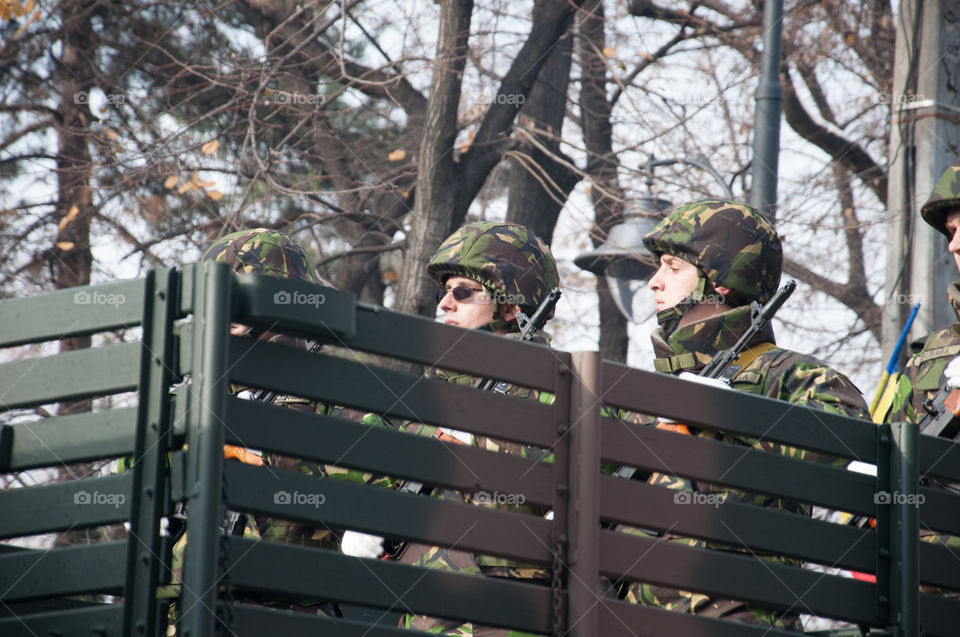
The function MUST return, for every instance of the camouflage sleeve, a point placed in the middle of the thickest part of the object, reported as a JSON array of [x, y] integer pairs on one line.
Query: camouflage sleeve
[[801, 379], [901, 409], [924, 373]]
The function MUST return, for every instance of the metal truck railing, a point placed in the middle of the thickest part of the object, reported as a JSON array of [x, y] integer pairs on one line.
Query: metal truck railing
[[182, 369]]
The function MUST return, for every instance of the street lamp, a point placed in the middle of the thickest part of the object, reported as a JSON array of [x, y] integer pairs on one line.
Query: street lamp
[[621, 258]]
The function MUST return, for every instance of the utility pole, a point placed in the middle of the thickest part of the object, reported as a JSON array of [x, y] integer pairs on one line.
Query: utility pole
[[924, 140]]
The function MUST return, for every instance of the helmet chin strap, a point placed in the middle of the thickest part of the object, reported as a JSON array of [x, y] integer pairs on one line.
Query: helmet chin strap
[[669, 319]]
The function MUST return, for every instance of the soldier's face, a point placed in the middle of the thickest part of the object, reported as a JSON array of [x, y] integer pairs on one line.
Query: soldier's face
[[476, 310], [674, 281], [953, 225]]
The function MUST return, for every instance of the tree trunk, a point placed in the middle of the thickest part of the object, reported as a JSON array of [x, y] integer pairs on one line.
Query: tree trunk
[[551, 21], [71, 255], [539, 184], [432, 212], [607, 193]]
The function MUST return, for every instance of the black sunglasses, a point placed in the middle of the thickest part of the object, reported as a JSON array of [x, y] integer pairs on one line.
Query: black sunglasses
[[460, 293]]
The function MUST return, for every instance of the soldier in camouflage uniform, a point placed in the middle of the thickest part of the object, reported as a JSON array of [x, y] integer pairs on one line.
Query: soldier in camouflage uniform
[[934, 360], [716, 258], [487, 272], [272, 253]]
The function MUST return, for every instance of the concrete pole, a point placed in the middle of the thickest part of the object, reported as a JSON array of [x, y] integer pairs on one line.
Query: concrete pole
[[925, 138]]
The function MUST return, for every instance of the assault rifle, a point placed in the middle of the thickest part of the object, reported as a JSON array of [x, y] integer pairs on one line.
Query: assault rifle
[[942, 413], [759, 316], [529, 326]]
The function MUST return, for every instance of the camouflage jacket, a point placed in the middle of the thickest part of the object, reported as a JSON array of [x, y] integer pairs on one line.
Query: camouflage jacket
[[453, 560], [776, 373], [921, 379], [489, 564], [923, 375]]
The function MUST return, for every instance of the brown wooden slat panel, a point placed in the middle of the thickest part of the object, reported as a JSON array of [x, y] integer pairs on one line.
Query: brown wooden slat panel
[[725, 410], [342, 382], [292, 571], [382, 451], [480, 353], [736, 576], [622, 619], [733, 465], [335, 503], [650, 507]]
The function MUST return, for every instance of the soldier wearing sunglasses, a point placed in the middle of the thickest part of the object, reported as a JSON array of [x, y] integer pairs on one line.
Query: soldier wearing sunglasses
[[487, 272]]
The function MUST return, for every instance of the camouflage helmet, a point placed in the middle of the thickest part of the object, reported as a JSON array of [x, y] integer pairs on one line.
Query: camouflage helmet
[[944, 199], [262, 251], [506, 258], [730, 243]]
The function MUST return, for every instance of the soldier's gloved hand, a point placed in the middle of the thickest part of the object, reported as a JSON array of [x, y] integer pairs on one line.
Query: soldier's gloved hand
[[694, 378], [669, 424], [952, 373], [358, 544], [703, 380]]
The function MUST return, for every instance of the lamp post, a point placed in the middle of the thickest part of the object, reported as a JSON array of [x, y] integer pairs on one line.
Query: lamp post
[[622, 258]]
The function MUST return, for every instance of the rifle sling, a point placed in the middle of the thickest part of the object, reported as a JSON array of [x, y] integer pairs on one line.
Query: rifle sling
[[747, 357], [689, 360]]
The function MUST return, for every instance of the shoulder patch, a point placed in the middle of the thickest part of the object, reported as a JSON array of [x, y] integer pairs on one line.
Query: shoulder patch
[[749, 377], [939, 352]]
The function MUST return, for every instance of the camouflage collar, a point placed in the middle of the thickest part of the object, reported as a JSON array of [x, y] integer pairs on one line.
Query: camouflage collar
[[692, 346], [953, 294], [669, 318]]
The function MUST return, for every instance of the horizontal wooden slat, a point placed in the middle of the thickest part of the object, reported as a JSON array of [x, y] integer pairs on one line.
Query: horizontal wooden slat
[[480, 353], [74, 504], [939, 615], [733, 524], [249, 621], [939, 511], [736, 576], [91, 372], [380, 584], [733, 411], [938, 458], [295, 305], [104, 621], [73, 438], [75, 311], [335, 503], [385, 452], [73, 570], [737, 466], [938, 565], [622, 619], [342, 382]]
